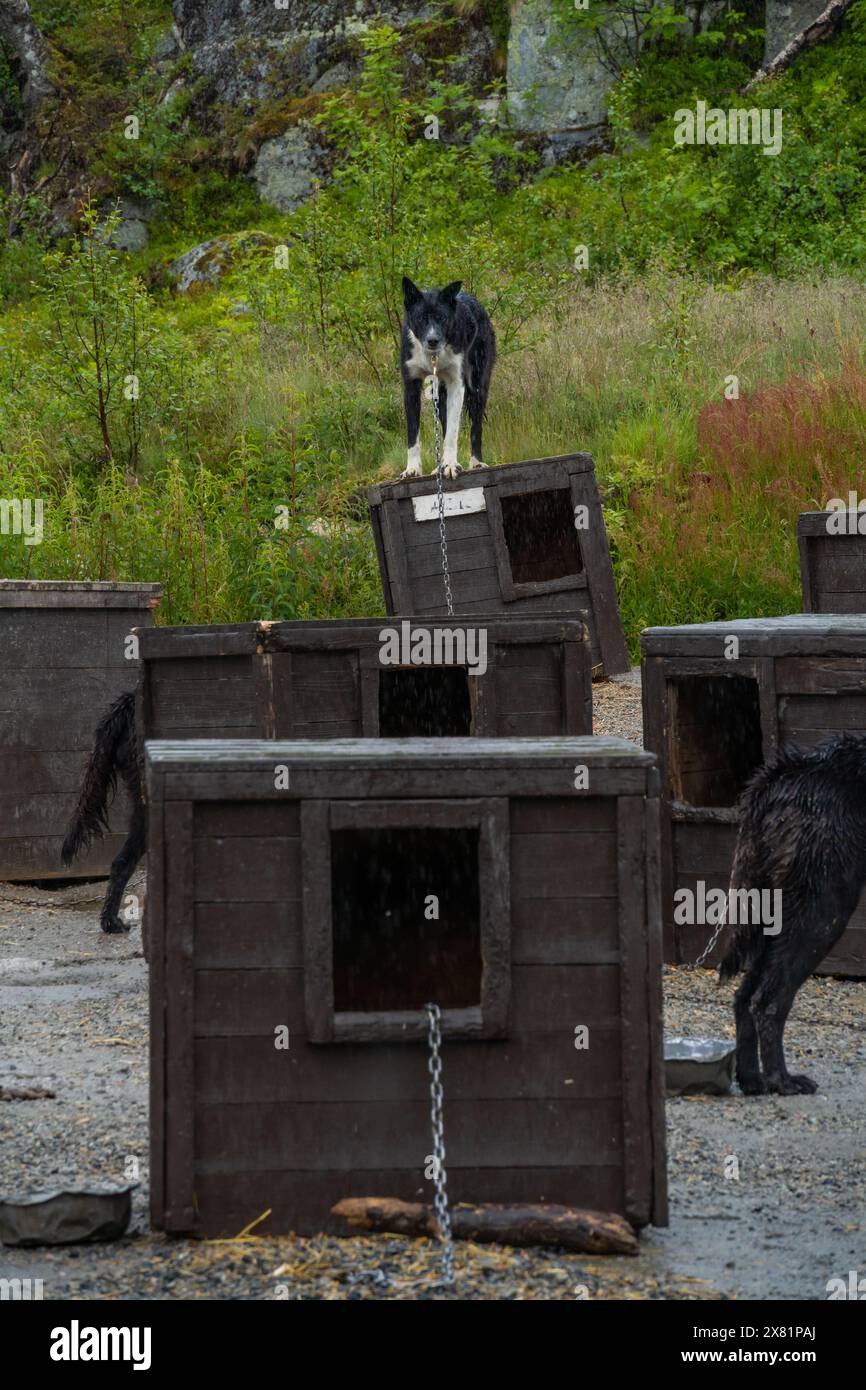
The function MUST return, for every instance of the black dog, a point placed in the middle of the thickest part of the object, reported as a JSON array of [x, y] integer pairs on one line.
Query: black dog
[[115, 754], [803, 831], [455, 329]]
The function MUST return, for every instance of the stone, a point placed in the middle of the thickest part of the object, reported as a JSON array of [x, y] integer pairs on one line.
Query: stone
[[555, 81], [286, 168], [332, 79], [784, 21], [206, 264], [131, 232]]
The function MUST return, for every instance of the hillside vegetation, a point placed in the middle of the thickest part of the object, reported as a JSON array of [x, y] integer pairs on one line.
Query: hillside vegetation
[[217, 442]]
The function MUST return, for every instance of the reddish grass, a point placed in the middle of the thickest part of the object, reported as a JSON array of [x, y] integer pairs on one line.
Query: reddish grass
[[803, 440]]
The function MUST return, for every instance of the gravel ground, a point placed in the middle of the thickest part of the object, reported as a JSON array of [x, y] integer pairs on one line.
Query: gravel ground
[[767, 1194], [616, 707]]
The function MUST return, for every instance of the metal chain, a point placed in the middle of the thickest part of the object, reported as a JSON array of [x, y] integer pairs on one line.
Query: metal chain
[[437, 444], [440, 1177], [723, 922]]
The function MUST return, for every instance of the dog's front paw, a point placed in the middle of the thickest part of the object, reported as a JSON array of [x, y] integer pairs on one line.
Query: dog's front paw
[[114, 926], [411, 472], [450, 470], [791, 1086], [476, 463]]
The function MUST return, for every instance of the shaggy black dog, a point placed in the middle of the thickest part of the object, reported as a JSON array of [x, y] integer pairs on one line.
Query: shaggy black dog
[[115, 754], [802, 830], [453, 328]]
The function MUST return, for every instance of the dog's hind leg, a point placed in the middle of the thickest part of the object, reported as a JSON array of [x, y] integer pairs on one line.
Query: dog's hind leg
[[412, 403], [748, 1069], [771, 1005], [122, 869]]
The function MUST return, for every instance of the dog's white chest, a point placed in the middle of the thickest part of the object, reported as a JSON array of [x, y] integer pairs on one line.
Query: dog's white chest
[[449, 364]]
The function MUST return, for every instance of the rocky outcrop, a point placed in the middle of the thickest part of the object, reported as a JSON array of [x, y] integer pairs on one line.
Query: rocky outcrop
[[23, 43], [556, 83], [785, 20], [206, 264], [287, 167], [258, 51]]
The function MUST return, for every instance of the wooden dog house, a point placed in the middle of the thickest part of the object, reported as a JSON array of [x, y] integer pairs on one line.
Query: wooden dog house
[[713, 719], [833, 561], [526, 538], [292, 886], [64, 657], [367, 677]]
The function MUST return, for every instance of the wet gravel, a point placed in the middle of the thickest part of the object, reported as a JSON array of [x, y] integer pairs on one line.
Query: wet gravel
[[767, 1193]]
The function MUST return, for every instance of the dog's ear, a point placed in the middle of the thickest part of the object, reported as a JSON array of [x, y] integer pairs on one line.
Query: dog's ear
[[411, 293], [451, 291]]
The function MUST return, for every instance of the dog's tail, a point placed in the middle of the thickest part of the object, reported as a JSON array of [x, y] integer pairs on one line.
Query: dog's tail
[[749, 871], [100, 780]]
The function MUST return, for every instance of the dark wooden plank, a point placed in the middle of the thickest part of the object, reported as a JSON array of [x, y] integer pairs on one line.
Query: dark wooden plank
[[815, 675], [321, 1136], [318, 971], [655, 1010], [545, 999], [563, 815], [461, 530], [243, 818], [177, 644], [633, 977], [822, 715], [249, 1070], [354, 781], [252, 869], [553, 866], [179, 1017], [562, 931], [477, 586], [154, 927], [31, 857], [240, 937], [607, 622], [703, 849]]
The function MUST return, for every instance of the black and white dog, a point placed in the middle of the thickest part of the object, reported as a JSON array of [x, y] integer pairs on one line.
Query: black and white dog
[[454, 328], [803, 832]]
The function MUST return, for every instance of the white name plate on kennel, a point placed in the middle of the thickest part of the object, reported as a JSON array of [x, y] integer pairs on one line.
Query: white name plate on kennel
[[427, 508]]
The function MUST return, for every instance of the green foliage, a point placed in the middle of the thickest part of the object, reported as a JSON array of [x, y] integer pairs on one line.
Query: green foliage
[[419, 189], [102, 350]]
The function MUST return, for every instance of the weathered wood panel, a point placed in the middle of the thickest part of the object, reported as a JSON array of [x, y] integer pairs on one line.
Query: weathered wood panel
[[297, 1127], [486, 571], [327, 680], [65, 656]]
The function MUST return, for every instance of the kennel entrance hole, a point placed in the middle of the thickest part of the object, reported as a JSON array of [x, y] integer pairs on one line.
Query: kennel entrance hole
[[389, 953], [425, 702], [540, 536], [714, 738]]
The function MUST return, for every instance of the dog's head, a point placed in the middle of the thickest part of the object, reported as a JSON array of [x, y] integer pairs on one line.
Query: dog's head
[[429, 312]]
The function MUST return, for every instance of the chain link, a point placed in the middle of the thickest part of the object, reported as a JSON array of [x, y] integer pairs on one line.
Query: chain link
[[437, 444], [723, 922], [440, 1177]]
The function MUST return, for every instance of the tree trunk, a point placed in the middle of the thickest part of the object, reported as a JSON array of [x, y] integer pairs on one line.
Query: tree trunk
[[824, 27], [571, 1228]]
